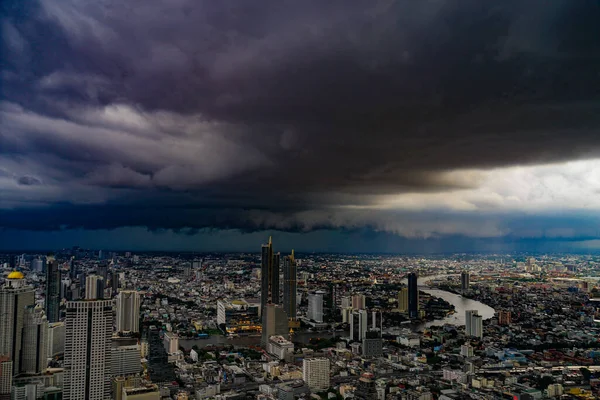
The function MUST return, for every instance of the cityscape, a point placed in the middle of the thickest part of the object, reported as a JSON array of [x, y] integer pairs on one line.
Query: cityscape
[[299, 200], [122, 325]]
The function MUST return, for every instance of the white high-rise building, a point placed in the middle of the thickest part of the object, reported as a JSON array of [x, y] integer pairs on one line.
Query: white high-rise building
[[128, 311], [466, 350], [125, 360], [94, 287], [15, 296], [55, 339], [34, 358], [6, 375], [473, 324], [315, 372], [171, 342], [315, 306], [88, 350]]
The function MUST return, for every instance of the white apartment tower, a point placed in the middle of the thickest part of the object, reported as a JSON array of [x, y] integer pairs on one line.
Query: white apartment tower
[[315, 372], [88, 350], [473, 324], [315, 306], [128, 311]]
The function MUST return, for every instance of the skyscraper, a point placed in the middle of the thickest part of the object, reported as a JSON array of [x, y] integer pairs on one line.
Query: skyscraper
[[88, 350], [115, 281], [269, 275], [473, 324], [52, 290], [290, 286], [315, 306], [359, 323], [128, 311], [465, 279], [274, 322], [315, 372], [15, 296], [403, 300], [34, 351], [94, 287], [413, 296], [72, 269]]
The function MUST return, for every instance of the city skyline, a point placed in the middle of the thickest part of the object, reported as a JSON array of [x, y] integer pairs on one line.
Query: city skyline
[[426, 125]]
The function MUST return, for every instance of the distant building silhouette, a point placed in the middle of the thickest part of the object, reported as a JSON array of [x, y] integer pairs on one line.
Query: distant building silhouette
[[413, 295]]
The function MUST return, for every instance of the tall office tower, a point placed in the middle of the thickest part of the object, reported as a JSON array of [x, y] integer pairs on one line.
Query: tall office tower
[[315, 306], [6, 375], [128, 311], [269, 275], [473, 324], [465, 280], [315, 372], [115, 281], [359, 302], [359, 323], [413, 296], [88, 350], [468, 321], [94, 287], [274, 323], [403, 300], [52, 290], [290, 286], [34, 351], [15, 296], [72, 269], [477, 324]]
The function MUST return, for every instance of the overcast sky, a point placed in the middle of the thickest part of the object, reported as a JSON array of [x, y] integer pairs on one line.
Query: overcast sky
[[334, 125]]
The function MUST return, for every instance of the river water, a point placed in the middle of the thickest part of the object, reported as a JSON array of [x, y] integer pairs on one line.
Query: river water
[[460, 304]]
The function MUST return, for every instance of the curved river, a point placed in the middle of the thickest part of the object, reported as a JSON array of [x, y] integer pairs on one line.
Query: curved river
[[460, 304]]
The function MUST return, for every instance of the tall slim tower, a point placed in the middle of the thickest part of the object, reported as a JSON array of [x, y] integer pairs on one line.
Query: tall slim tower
[[465, 280], [403, 300], [15, 296], [128, 311], [34, 358], [52, 290], [269, 275], [290, 286], [88, 350], [72, 269], [413, 296]]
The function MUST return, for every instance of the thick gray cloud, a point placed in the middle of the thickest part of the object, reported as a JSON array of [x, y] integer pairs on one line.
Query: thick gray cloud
[[284, 114]]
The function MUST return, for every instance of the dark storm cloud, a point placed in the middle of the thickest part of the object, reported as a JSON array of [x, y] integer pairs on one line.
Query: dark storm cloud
[[276, 111]]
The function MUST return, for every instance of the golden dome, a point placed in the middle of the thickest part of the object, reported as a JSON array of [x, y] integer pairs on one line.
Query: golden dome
[[15, 275]]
